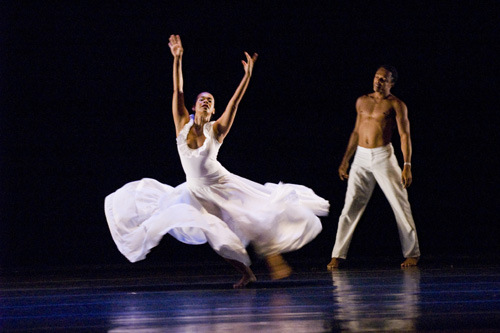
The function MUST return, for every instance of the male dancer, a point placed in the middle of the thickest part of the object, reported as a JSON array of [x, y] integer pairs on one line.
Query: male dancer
[[374, 162]]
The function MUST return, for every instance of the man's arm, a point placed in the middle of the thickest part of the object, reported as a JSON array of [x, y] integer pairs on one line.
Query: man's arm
[[179, 111], [404, 133], [225, 121], [351, 146]]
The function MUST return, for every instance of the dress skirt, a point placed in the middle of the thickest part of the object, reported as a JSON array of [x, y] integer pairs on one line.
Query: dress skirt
[[229, 214]]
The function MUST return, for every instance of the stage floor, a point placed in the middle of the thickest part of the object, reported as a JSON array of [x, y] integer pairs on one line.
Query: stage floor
[[451, 296]]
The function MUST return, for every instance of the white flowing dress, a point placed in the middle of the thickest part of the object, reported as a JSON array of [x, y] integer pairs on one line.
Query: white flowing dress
[[213, 206]]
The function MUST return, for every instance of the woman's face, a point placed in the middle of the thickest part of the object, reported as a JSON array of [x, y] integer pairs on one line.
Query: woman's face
[[204, 104]]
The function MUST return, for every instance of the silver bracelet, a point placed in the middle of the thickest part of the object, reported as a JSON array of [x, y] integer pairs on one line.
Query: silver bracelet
[[407, 163]]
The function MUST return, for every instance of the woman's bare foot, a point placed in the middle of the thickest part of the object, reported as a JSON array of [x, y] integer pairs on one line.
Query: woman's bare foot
[[278, 267], [248, 275], [410, 262], [334, 263], [245, 280]]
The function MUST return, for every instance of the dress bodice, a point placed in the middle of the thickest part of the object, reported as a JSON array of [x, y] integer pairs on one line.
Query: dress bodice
[[200, 165]]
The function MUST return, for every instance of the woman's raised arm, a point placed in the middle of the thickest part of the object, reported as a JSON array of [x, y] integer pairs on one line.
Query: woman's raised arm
[[224, 123], [179, 111]]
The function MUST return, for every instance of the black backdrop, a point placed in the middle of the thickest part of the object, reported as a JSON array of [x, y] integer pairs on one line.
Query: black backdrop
[[86, 107]]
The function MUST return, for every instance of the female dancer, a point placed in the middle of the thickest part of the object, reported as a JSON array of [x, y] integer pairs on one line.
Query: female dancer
[[213, 205]]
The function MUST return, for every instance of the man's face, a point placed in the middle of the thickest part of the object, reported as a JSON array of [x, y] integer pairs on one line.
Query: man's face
[[204, 104], [382, 82]]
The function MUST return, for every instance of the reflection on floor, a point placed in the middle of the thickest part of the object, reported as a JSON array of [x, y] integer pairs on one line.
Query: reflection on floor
[[384, 298]]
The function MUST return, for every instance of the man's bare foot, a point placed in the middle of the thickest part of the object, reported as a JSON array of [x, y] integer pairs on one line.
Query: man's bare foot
[[410, 262], [334, 263], [245, 280], [278, 267]]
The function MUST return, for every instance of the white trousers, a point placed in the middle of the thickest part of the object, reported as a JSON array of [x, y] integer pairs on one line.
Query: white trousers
[[369, 167]]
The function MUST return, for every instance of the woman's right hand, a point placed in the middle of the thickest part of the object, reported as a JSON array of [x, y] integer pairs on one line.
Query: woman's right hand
[[175, 45]]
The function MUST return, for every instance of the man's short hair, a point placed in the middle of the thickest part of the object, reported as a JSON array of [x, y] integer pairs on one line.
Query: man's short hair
[[392, 69]]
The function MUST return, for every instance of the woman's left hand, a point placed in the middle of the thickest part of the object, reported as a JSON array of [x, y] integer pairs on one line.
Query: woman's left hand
[[248, 65]]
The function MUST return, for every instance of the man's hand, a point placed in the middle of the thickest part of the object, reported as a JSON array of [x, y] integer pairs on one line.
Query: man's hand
[[343, 171], [248, 65], [406, 177], [175, 45]]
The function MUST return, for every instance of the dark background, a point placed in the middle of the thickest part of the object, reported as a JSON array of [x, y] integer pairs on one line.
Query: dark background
[[86, 107]]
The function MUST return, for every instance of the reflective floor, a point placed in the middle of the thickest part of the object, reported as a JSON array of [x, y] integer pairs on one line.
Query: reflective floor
[[356, 298]]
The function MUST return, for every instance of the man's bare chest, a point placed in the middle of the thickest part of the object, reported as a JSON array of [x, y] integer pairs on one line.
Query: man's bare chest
[[376, 111]]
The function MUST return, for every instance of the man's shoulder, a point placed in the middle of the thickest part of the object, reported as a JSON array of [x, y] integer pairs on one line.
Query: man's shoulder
[[364, 98], [393, 98], [396, 102]]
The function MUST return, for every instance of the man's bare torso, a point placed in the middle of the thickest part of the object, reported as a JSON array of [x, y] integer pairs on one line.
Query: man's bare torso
[[376, 120]]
